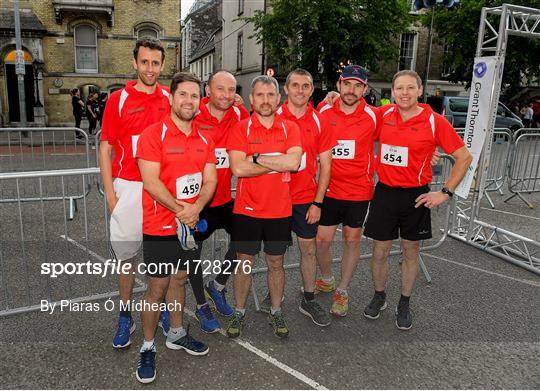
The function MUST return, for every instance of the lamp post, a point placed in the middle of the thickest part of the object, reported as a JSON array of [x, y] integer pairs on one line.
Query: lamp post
[[418, 5], [38, 67]]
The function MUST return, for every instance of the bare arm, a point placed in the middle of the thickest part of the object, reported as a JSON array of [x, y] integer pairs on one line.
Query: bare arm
[[155, 187], [314, 212], [105, 166], [282, 163], [190, 213], [243, 167], [463, 160]]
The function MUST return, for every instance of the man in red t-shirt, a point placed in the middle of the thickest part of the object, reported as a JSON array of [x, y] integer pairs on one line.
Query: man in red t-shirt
[[307, 192], [351, 184], [128, 112], [263, 150], [408, 134], [217, 115], [178, 169]]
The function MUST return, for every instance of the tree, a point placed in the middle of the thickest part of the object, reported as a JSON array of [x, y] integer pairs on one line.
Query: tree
[[318, 35], [458, 30]]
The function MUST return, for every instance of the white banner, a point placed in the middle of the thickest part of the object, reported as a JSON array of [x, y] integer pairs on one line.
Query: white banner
[[485, 74]]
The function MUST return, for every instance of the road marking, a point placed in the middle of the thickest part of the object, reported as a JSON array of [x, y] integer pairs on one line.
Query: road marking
[[511, 213], [528, 282], [246, 345]]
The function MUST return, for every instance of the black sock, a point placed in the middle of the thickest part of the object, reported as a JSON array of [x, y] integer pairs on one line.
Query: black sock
[[125, 313], [197, 285], [380, 295], [404, 299], [224, 275], [309, 296]]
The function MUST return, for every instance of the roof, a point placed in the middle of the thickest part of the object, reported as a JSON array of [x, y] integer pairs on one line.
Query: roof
[[29, 21]]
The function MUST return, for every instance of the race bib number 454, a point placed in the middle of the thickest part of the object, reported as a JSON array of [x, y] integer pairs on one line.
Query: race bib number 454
[[345, 149], [394, 156], [188, 186]]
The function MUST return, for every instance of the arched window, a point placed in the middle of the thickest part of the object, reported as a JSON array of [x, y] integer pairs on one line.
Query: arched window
[[147, 32], [147, 29], [86, 58]]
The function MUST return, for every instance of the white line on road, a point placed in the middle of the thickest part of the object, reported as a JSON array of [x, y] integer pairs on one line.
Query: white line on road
[[511, 213], [528, 282], [246, 345]]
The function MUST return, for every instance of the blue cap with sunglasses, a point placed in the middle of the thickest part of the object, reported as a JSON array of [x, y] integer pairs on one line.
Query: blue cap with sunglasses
[[355, 72]]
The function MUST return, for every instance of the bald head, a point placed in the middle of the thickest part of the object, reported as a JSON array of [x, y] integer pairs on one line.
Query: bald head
[[221, 89]]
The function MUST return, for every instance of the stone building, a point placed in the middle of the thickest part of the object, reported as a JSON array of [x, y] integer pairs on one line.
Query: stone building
[[78, 43]]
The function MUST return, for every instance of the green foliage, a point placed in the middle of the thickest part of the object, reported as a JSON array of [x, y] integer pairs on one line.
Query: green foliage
[[458, 28], [307, 33]]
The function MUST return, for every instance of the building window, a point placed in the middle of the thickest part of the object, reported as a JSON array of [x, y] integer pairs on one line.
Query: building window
[[147, 32], [407, 51], [241, 7], [239, 51], [86, 58]]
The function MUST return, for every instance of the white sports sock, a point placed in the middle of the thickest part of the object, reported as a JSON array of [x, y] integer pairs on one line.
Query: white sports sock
[[218, 286], [148, 345]]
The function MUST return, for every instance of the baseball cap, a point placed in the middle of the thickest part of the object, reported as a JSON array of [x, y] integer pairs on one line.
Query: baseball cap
[[355, 72]]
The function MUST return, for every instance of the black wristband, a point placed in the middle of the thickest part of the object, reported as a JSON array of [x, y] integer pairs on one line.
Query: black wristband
[[254, 157], [445, 190], [317, 204]]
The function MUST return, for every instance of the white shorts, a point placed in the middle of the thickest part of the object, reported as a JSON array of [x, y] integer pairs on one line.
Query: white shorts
[[127, 219]]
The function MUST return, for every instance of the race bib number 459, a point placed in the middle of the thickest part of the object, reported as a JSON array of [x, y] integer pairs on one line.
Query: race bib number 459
[[345, 149], [394, 156], [188, 186]]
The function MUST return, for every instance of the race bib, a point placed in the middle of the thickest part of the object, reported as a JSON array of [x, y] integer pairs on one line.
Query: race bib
[[222, 158], [394, 155], [302, 162], [134, 140], [345, 149], [188, 186]]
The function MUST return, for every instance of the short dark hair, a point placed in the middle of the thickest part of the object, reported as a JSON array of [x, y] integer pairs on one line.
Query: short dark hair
[[150, 43], [263, 79], [74, 91], [182, 77], [215, 73], [407, 72], [299, 72]]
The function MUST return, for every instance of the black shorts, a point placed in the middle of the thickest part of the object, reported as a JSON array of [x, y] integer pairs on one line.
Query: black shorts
[[248, 232], [217, 217], [350, 213], [164, 256], [299, 224], [392, 214]]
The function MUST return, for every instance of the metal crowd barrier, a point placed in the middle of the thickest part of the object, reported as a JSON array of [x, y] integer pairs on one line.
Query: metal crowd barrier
[[40, 149], [440, 216], [524, 171], [39, 233], [501, 150]]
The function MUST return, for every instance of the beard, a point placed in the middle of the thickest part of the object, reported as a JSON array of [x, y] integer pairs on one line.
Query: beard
[[264, 110], [184, 116], [348, 102]]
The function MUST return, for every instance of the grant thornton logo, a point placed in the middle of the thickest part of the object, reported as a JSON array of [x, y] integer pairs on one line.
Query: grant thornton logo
[[480, 69]]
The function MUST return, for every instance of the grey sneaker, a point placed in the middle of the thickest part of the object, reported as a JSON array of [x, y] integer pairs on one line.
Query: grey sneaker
[[403, 316], [314, 310], [266, 304], [374, 308], [278, 324]]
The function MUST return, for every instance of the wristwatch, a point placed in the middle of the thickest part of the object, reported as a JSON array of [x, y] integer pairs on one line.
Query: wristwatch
[[254, 157], [317, 204], [445, 190]]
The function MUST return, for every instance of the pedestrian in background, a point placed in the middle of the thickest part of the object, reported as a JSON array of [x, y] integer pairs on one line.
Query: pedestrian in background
[[385, 100], [371, 99], [91, 112], [78, 106], [527, 115]]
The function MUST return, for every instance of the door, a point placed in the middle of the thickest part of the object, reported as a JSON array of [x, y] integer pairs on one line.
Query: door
[[13, 93]]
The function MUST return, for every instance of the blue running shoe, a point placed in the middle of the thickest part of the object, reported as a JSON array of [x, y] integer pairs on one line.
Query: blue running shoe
[[205, 316], [146, 368], [189, 344], [165, 322], [218, 299], [126, 327]]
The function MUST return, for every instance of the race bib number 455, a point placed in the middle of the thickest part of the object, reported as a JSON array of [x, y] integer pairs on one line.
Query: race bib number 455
[[345, 149], [394, 156], [188, 186]]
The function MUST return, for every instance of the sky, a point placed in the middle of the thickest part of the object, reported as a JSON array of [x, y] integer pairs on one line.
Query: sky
[[185, 5]]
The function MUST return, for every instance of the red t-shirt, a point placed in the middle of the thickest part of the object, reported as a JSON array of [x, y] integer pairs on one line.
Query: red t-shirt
[[316, 137], [219, 131], [265, 196], [182, 160], [127, 113], [353, 156], [406, 148]]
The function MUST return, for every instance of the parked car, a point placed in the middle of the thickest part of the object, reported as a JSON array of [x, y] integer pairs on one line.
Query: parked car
[[455, 108]]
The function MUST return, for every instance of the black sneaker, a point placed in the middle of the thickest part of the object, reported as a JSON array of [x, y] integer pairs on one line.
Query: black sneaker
[[314, 310], [374, 308], [403, 316], [189, 344]]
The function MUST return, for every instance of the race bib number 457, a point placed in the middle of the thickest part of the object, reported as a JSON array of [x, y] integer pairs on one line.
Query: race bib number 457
[[188, 186], [394, 156], [345, 149]]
